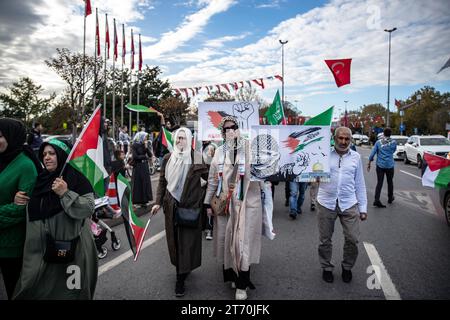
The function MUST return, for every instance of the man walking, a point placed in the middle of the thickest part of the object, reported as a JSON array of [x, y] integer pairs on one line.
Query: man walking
[[34, 139], [344, 197], [384, 149]]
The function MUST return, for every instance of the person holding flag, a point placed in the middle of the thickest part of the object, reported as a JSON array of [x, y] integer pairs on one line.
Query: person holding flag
[[180, 187], [59, 241]]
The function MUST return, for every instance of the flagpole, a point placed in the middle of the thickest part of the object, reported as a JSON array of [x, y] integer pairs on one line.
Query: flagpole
[[121, 78], [84, 66], [137, 117], [130, 101], [104, 74], [95, 60], [114, 85]]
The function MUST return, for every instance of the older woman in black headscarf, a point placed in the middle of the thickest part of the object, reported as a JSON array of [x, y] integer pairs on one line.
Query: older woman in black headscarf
[[18, 171], [60, 259], [141, 184]]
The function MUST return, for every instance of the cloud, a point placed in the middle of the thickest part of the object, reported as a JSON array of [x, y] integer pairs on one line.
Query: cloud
[[270, 4], [220, 42], [341, 29], [191, 26]]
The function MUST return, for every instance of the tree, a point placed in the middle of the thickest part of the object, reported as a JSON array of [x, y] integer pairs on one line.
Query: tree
[[175, 109], [23, 101], [217, 96], [69, 66], [249, 94]]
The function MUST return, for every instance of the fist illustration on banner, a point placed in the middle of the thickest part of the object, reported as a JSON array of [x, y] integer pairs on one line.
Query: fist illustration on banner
[[242, 111]]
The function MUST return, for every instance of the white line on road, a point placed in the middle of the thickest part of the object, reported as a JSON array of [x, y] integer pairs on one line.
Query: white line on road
[[124, 256], [412, 175], [389, 290]]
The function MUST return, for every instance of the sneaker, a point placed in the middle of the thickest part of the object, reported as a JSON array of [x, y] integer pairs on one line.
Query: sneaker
[[209, 235], [241, 294], [327, 276], [346, 275], [179, 288], [313, 207], [391, 200], [293, 216], [378, 204]]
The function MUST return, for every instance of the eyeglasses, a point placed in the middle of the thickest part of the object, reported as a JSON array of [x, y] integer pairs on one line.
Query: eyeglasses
[[233, 127]]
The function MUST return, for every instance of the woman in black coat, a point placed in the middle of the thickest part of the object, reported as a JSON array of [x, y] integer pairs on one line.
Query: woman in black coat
[[140, 182]]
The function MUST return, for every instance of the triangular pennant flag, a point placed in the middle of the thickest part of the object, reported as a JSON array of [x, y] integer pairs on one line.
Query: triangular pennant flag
[[323, 119], [259, 82], [207, 89], [134, 227], [87, 154], [185, 92], [218, 88], [279, 78], [226, 87], [193, 92]]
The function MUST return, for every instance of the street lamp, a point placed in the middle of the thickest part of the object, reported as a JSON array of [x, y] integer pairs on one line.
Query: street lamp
[[389, 73], [282, 71]]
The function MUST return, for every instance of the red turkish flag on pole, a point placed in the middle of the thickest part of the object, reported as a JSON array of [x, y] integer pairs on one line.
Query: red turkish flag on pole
[[107, 36], [87, 8], [97, 34], [124, 49], [140, 53], [115, 41], [398, 104], [341, 70], [132, 50]]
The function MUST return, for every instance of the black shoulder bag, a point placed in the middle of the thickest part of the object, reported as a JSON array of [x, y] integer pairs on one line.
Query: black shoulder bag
[[60, 251]]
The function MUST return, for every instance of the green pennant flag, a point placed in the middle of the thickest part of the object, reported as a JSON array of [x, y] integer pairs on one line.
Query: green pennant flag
[[323, 119], [275, 113], [139, 108]]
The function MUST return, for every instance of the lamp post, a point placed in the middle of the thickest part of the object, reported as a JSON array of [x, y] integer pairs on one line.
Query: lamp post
[[282, 71], [389, 73]]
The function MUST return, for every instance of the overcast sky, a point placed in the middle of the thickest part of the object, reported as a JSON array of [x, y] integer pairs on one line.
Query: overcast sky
[[208, 42]]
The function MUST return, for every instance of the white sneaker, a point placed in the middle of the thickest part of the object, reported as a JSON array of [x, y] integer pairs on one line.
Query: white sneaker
[[209, 235], [241, 294], [233, 285]]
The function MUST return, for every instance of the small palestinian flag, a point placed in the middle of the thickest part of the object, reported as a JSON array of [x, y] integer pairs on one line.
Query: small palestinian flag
[[167, 139], [140, 108], [134, 227], [216, 116], [437, 173], [87, 154]]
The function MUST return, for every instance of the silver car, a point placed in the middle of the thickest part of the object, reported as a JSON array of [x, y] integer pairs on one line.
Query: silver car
[[399, 153]]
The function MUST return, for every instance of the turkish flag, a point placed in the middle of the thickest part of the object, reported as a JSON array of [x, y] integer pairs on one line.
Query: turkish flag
[[87, 8], [341, 70], [398, 104]]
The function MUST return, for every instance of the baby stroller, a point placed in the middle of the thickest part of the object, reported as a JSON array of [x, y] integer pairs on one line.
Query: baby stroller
[[100, 229]]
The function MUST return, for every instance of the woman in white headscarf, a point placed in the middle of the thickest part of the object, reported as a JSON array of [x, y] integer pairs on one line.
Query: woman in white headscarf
[[180, 187]]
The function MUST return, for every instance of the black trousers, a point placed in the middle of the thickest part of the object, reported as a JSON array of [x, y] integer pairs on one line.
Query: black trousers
[[10, 268], [389, 172], [242, 279]]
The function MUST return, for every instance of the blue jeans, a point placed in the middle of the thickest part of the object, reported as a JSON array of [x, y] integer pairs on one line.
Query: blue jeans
[[297, 196]]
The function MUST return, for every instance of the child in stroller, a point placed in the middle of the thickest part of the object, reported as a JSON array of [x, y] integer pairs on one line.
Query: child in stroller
[[100, 229]]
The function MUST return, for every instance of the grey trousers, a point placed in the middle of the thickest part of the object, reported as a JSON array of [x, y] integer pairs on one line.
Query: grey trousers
[[350, 225], [313, 189]]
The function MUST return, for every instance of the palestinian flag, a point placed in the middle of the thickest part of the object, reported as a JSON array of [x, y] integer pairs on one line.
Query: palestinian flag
[[437, 173], [134, 227], [140, 108], [215, 117], [87, 154], [167, 139]]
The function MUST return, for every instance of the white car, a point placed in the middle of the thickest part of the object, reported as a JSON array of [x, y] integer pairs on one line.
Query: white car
[[417, 145], [360, 139], [399, 153]]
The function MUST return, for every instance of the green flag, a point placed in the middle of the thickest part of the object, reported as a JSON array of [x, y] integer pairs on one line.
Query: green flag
[[139, 108], [323, 119], [275, 113]]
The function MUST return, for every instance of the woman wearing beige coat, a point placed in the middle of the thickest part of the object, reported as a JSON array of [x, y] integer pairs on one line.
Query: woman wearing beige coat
[[237, 236]]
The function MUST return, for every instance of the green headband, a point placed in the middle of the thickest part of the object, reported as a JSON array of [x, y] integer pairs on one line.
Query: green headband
[[60, 144]]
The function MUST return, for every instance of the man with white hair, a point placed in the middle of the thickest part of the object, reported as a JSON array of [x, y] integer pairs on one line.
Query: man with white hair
[[344, 197]]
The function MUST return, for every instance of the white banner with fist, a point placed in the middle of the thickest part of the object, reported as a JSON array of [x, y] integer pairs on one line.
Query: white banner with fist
[[211, 113]]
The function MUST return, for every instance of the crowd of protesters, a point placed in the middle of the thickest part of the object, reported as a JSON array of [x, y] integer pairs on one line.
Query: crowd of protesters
[[45, 205]]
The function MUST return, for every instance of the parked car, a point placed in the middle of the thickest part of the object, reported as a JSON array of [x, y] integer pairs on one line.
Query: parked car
[[444, 199], [360, 139], [66, 138], [399, 153], [416, 145]]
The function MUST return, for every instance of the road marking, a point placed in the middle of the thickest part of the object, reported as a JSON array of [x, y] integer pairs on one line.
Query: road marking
[[389, 290], [124, 256], [412, 175]]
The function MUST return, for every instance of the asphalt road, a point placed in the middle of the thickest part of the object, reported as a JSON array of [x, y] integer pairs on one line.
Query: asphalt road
[[404, 253]]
